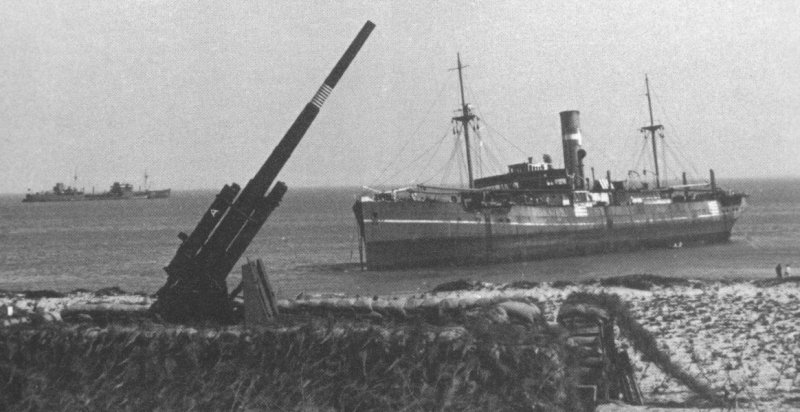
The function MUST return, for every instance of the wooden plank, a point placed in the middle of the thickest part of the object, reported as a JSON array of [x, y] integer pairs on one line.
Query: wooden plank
[[267, 287], [257, 310]]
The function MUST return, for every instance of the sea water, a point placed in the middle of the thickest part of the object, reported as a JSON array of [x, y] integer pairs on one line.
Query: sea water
[[310, 244]]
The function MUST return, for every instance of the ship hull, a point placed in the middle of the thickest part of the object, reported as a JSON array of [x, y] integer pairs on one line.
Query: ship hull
[[158, 194], [111, 196], [51, 197], [412, 234]]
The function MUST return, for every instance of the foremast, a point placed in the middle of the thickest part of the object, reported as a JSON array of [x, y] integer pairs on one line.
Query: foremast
[[652, 129], [465, 118]]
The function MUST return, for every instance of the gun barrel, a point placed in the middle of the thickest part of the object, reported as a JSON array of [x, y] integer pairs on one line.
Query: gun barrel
[[349, 54], [257, 187], [263, 179], [195, 286]]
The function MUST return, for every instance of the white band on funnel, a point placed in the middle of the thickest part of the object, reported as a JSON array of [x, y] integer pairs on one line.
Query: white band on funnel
[[574, 136]]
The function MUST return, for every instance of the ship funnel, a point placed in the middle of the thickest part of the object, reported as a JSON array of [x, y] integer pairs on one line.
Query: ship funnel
[[573, 153]]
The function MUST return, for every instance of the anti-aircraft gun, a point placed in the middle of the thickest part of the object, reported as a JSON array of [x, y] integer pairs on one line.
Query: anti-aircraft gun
[[196, 287]]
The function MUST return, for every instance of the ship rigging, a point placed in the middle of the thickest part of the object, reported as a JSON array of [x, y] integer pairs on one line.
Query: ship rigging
[[537, 210], [476, 156]]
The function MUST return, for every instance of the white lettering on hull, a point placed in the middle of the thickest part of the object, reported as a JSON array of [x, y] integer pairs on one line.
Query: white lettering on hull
[[713, 208]]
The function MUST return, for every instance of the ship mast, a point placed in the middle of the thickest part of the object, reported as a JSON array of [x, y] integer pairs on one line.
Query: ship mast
[[465, 118], [652, 129]]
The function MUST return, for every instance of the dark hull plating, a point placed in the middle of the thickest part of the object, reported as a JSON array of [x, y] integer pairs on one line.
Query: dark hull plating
[[408, 234], [52, 197]]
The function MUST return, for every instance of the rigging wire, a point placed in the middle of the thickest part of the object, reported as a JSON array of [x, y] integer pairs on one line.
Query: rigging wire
[[491, 157], [634, 158], [677, 154], [409, 164], [390, 164], [447, 165], [487, 157], [631, 156], [639, 158], [664, 156], [480, 156], [445, 170], [461, 162], [425, 119], [433, 154], [680, 164], [492, 129], [483, 120]]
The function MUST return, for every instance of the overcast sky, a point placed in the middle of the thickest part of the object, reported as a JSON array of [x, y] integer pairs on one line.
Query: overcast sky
[[198, 93]]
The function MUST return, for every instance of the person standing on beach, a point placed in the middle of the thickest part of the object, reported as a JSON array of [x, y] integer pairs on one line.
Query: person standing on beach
[[779, 271], [787, 271]]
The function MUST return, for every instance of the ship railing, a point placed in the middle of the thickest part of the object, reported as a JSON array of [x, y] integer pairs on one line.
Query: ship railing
[[448, 190], [688, 186]]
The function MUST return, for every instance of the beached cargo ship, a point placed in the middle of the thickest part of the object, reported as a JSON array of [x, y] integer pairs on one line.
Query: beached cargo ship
[[539, 211]]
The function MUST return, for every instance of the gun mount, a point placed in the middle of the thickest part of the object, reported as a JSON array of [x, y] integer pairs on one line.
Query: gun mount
[[196, 287]]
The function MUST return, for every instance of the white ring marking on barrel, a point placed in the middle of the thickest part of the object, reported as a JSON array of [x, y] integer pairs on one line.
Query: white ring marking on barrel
[[322, 94]]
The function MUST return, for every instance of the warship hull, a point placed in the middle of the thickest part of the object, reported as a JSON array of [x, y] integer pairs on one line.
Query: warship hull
[[158, 194], [429, 233], [118, 191], [52, 197]]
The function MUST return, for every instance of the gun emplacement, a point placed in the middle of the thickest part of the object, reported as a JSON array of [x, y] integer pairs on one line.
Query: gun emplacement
[[196, 287]]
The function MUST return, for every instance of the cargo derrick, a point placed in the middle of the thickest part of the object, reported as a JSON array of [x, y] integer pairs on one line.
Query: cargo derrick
[[196, 287]]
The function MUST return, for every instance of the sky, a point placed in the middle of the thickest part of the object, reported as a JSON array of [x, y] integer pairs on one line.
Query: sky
[[197, 93]]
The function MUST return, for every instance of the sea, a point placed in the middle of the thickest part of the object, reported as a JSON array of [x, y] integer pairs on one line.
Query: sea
[[310, 245]]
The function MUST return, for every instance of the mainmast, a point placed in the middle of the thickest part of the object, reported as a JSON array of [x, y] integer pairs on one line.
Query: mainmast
[[465, 118], [652, 129]]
